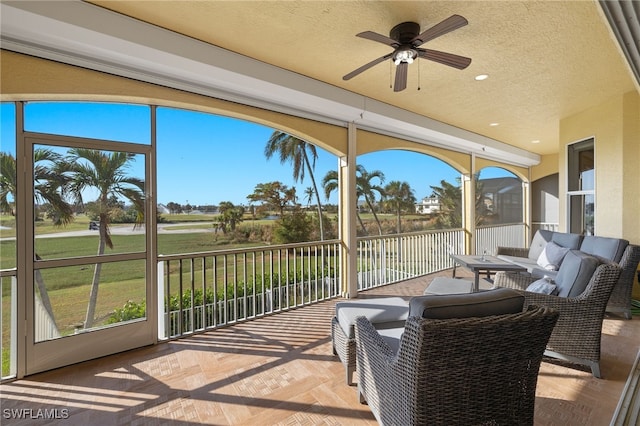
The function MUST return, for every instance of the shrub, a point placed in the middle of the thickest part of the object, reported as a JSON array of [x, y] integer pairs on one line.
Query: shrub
[[130, 311]]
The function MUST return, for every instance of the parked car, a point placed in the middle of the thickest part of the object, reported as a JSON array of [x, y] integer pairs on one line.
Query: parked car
[[94, 226]]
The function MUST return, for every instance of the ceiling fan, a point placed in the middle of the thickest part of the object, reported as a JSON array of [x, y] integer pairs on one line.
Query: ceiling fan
[[406, 39]]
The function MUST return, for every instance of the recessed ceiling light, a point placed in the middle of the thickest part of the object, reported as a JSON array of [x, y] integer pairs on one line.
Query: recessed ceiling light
[[481, 77], [535, 141], [494, 124]]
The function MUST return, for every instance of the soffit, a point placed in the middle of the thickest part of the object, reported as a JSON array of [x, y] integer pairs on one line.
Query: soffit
[[546, 60]]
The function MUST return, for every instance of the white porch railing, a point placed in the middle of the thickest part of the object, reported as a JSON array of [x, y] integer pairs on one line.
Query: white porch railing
[[490, 237], [206, 290], [544, 225], [390, 258], [201, 291]]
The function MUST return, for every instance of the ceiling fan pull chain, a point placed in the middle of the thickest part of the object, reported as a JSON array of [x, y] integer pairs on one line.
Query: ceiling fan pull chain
[[418, 64]]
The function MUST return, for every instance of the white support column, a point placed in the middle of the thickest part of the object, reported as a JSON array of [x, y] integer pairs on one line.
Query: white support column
[[468, 186], [348, 206], [526, 209]]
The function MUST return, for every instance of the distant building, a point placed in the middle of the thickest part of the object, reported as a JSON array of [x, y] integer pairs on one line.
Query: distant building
[[428, 205]]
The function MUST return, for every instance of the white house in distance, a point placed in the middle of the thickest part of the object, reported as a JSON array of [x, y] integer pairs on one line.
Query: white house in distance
[[428, 205]]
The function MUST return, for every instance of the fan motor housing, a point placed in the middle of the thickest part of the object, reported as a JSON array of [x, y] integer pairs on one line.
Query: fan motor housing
[[405, 32]]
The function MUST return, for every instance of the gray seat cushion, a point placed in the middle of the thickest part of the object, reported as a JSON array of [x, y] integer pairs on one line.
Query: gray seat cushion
[[392, 337], [485, 303], [610, 249], [563, 239], [443, 285], [570, 241], [385, 312], [575, 273], [525, 262], [539, 241]]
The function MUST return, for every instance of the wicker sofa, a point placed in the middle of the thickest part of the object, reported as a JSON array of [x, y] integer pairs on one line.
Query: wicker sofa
[[606, 249], [461, 359], [585, 288]]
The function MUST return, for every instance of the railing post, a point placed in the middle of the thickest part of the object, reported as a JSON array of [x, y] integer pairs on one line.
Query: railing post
[[162, 331]]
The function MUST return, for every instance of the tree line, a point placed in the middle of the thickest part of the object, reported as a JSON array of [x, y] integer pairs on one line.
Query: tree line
[[61, 180]]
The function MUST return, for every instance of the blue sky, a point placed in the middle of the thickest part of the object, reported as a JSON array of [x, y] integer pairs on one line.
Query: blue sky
[[206, 159]]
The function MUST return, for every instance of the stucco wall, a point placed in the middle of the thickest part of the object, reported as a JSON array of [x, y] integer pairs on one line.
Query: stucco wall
[[614, 126]]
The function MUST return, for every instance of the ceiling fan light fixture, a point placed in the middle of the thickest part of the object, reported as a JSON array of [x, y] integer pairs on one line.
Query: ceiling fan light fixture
[[404, 55]]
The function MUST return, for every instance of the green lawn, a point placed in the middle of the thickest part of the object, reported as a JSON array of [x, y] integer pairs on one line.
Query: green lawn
[[69, 287]]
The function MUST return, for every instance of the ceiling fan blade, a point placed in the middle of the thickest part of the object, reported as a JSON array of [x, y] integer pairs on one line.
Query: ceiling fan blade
[[451, 23], [456, 61], [366, 66], [370, 35], [401, 77]]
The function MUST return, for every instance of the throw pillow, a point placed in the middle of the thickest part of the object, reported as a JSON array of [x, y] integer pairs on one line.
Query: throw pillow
[[552, 255], [543, 286]]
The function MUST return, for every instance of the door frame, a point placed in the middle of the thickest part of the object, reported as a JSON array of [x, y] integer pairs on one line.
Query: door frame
[[49, 354]]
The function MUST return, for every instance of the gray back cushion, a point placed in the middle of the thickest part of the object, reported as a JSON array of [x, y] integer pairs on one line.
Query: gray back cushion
[[575, 273], [539, 241], [610, 249], [570, 241], [485, 303]]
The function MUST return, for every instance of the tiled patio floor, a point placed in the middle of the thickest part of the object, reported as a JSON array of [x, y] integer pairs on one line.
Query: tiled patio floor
[[277, 370]]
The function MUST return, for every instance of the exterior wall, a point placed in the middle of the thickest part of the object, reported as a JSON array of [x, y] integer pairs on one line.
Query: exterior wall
[[631, 165], [615, 127], [548, 166], [371, 142], [521, 172], [24, 77], [545, 199]]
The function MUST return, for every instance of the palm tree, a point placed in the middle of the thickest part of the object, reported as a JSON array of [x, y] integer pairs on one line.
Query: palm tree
[[297, 152], [330, 184], [364, 188], [367, 189], [230, 215], [450, 198], [49, 181], [8, 182], [106, 173], [399, 197], [309, 193]]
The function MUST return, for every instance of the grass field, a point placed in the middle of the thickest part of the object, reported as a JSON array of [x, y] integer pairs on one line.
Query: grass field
[[69, 287]]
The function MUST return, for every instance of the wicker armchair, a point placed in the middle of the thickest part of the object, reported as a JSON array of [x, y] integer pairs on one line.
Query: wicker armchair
[[620, 300], [478, 370], [577, 335]]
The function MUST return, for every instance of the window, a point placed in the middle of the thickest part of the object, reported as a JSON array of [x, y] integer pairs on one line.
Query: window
[[581, 187]]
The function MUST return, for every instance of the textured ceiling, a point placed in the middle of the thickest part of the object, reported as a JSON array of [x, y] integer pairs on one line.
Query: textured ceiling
[[545, 59]]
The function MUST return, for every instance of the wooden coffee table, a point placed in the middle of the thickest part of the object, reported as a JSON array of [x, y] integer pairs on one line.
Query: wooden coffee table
[[479, 264]]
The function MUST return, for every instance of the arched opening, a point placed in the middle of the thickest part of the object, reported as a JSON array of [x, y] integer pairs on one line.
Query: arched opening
[[500, 197], [407, 191]]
